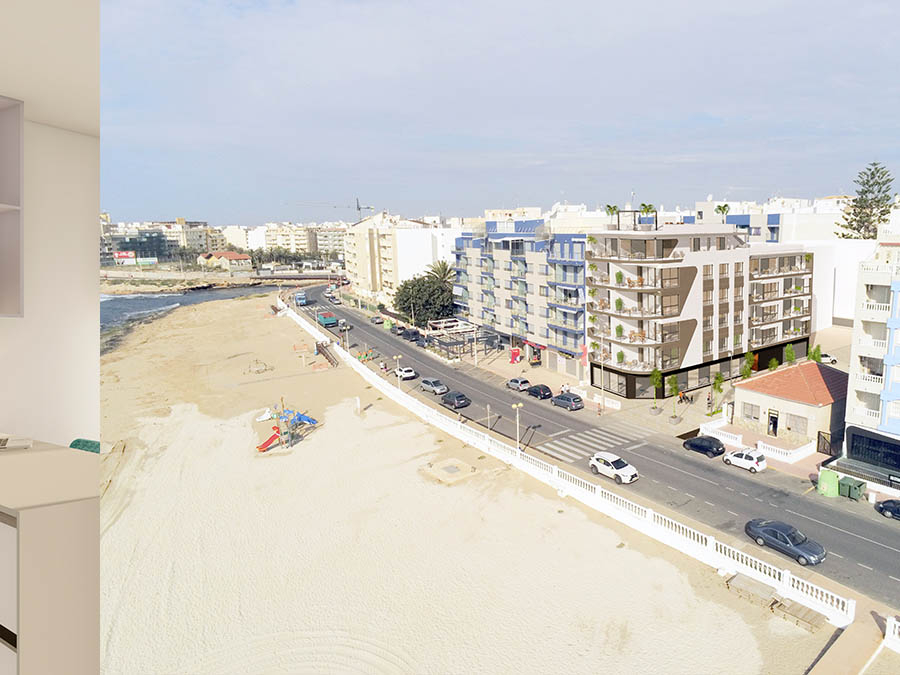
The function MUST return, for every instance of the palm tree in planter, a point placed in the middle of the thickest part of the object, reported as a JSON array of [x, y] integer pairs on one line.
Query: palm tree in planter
[[592, 267], [620, 356], [647, 209], [656, 381], [611, 209], [717, 383], [723, 209], [591, 239], [595, 346], [592, 292], [674, 390]]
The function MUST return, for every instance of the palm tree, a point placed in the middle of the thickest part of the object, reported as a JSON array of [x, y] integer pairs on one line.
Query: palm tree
[[611, 209], [442, 271], [647, 209], [723, 209]]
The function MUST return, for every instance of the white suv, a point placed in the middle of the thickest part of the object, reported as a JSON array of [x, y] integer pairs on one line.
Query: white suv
[[613, 466], [405, 373], [752, 460]]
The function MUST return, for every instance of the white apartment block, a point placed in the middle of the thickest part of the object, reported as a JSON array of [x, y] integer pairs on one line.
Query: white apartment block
[[330, 240], [382, 251], [291, 237], [871, 444], [236, 235]]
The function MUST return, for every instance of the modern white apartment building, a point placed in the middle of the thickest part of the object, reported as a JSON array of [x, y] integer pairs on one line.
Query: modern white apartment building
[[383, 250], [330, 239], [519, 280], [689, 299], [235, 235], [291, 237], [871, 448]]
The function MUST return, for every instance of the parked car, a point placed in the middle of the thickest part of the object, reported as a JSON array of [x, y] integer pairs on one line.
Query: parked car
[[376, 319], [889, 508], [752, 460], [828, 358], [434, 385], [455, 399], [396, 329], [405, 373], [423, 341], [568, 401], [708, 445], [613, 466], [787, 539], [518, 384], [539, 391], [411, 334]]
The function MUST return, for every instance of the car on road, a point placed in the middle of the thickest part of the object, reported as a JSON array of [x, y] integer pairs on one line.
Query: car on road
[[708, 445], [889, 508], [405, 373], [455, 399], [539, 391], [787, 539], [568, 401], [411, 335], [434, 385], [397, 329], [828, 358], [612, 466], [518, 384], [752, 460], [376, 319], [334, 300]]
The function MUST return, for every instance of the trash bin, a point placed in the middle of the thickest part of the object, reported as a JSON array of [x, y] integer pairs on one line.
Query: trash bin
[[828, 483], [850, 487]]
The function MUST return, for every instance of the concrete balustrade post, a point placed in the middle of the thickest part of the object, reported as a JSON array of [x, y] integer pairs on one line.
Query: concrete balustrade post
[[785, 585]]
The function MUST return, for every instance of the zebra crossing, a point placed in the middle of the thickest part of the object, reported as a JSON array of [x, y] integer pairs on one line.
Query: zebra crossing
[[583, 444]]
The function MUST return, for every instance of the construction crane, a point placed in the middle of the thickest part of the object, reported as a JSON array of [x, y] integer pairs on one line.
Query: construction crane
[[325, 205]]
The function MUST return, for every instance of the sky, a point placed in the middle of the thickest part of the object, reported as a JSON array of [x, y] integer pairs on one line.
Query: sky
[[247, 111]]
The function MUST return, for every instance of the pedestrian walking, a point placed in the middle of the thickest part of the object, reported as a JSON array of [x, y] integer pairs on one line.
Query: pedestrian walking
[[708, 400]]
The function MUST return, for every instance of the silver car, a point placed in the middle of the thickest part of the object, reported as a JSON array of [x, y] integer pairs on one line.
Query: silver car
[[518, 384], [434, 385]]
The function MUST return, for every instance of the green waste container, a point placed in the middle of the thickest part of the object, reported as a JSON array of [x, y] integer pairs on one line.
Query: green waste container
[[828, 483], [850, 487]]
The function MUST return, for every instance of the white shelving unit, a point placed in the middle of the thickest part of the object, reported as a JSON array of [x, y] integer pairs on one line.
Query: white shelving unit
[[49, 561], [11, 226]]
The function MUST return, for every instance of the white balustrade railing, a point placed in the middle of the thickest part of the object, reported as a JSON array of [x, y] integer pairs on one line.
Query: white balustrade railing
[[786, 456], [714, 429], [699, 545], [865, 341], [878, 307], [892, 633], [873, 379], [868, 413]]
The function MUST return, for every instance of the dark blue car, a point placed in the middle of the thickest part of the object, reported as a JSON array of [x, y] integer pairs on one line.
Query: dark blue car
[[787, 539]]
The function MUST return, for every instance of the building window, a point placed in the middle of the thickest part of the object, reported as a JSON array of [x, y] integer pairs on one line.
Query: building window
[[750, 412], [545, 270], [723, 269], [509, 304], [544, 291], [707, 347], [707, 297], [720, 243], [738, 338], [894, 409], [723, 294], [738, 269], [738, 292], [797, 424], [707, 271], [695, 244], [670, 278], [670, 305]]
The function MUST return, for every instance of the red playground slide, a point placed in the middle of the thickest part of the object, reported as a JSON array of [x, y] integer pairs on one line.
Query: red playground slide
[[271, 439]]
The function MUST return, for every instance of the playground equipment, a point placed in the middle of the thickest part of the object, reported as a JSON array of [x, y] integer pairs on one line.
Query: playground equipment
[[288, 427]]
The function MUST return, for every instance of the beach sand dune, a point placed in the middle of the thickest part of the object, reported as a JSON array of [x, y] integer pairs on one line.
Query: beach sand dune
[[341, 555]]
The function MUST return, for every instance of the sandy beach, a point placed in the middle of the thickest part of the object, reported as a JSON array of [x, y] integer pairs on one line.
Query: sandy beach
[[345, 554]]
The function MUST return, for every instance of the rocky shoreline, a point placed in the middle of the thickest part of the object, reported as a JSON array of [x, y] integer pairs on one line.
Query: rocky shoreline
[[132, 286]]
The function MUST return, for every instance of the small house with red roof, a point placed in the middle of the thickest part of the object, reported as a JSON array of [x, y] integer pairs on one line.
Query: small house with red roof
[[227, 260], [794, 402]]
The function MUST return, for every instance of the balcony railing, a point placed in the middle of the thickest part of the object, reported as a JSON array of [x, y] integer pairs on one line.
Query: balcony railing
[[628, 256], [866, 341], [893, 270], [779, 271], [869, 379], [868, 413], [877, 307], [632, 365]]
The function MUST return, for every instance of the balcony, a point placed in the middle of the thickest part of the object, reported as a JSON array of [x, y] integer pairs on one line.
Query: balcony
[[604, 254], [632, 312], [877, 307], [871, 343], [868, 382], [868, 415], [772, 272]]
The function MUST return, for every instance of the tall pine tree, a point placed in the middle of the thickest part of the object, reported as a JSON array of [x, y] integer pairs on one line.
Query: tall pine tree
[[871, 206]]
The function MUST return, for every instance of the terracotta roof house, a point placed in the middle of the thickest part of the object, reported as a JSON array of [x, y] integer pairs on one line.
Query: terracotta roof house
[[794, 402], [227, 260]]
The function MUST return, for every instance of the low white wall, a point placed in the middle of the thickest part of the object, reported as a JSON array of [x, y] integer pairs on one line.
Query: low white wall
[[703, 547]]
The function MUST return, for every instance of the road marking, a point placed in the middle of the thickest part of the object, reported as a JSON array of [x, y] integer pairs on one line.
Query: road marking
[[810, 490], [558, 433], [556, 451], [852, 534], [729, 488], [676, 468], [671, 488], [836, 555], [710, 503], [550, 452], [639, 445], [690, 495], [758, 499], [733, 513], [654, 480], [775, 505], [865, 566], [894, 578], [745, 494]]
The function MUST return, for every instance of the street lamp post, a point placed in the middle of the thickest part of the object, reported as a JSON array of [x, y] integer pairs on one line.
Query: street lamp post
[[602, 382], [397, 359], [516, 407]]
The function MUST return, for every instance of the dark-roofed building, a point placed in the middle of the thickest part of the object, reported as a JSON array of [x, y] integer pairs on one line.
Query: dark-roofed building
[[793, 402]]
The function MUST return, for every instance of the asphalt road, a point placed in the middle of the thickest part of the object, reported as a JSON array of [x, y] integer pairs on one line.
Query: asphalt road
[[863, 547]]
